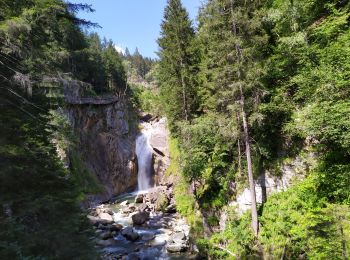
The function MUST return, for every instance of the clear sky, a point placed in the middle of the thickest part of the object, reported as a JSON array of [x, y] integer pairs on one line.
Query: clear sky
[[132, 23]]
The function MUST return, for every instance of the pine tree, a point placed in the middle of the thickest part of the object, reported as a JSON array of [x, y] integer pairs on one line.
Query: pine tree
[[232, 39], [177, 60]]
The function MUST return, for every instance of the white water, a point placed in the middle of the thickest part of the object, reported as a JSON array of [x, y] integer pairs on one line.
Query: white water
[[144, 161]]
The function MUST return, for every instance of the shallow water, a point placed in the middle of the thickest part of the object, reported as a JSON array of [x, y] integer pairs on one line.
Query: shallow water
[[157, 226]]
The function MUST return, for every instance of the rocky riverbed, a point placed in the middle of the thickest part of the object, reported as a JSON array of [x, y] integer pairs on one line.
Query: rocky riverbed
[[141, 226]]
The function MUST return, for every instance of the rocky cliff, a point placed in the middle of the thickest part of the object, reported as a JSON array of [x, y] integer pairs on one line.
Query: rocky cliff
[[106, 134]]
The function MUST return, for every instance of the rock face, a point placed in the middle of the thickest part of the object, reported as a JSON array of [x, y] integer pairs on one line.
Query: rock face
[[107, 135], [266, 183], [158, 141]]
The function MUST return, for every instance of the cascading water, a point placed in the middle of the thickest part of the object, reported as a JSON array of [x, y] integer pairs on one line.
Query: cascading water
[[144, 160]]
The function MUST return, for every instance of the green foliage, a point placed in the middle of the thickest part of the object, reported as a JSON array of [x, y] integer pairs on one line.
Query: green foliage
[[236, 238], [39, 212], [177, 64], [146, 99], [205, 158], [299, 222], [84, 179], [138, 67], [292, 60], [185, 202]]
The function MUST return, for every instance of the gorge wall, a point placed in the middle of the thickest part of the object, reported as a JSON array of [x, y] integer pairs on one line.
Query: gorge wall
[[106, 133]]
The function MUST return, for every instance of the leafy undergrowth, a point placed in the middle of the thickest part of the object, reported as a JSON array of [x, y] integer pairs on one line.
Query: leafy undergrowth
[[185, 201]]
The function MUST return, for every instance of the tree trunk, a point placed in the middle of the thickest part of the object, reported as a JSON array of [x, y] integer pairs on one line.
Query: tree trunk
[[255, 224], [239, 147], [184, 99]]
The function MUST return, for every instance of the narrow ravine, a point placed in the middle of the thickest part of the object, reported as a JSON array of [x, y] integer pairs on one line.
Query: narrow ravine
[[142, 224]]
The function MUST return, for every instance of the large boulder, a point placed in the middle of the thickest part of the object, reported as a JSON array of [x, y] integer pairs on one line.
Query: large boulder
[[178, 237], [105, 218], [130, 234], [177, 243], [176, 247], [140, 218]]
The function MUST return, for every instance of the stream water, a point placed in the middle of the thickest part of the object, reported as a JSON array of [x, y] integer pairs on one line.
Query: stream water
[[153, 236]]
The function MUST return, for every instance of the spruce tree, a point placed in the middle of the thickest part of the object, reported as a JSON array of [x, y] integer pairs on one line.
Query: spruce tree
[[233, 42], [177, 60]]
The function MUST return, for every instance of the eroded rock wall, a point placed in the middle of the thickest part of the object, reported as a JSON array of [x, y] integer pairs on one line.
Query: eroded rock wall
[[106, 140]]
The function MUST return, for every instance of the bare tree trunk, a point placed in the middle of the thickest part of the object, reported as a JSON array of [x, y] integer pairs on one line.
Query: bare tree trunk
[[184, 99], [239, 147], [255, 224]]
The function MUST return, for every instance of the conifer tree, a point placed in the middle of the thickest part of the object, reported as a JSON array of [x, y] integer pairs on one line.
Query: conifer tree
[[232, 42], [177, 60]]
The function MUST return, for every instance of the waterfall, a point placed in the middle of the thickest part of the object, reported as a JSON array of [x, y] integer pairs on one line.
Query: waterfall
[[144, 160]]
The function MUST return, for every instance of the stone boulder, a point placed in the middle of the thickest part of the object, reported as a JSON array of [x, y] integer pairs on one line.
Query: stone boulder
[[116, 227], [177, 243], [130, 234], [140, 218], [105, 218], [176, 248], [139, 198]]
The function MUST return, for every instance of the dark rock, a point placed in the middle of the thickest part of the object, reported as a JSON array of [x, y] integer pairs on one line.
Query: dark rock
[[133, 256], [116, 227], [140, 218], [146, 117], [93, 220], [106, 235], [103, 226], [130, 234], [170, 209], [139, 198], [132, 207]]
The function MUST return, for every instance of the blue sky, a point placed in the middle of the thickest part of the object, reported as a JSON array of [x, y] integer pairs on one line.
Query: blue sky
[[132, 23]]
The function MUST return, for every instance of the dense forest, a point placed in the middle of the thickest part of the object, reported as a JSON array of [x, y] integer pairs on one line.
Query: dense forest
[[253, 86], [256, 84], [42, 49]]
